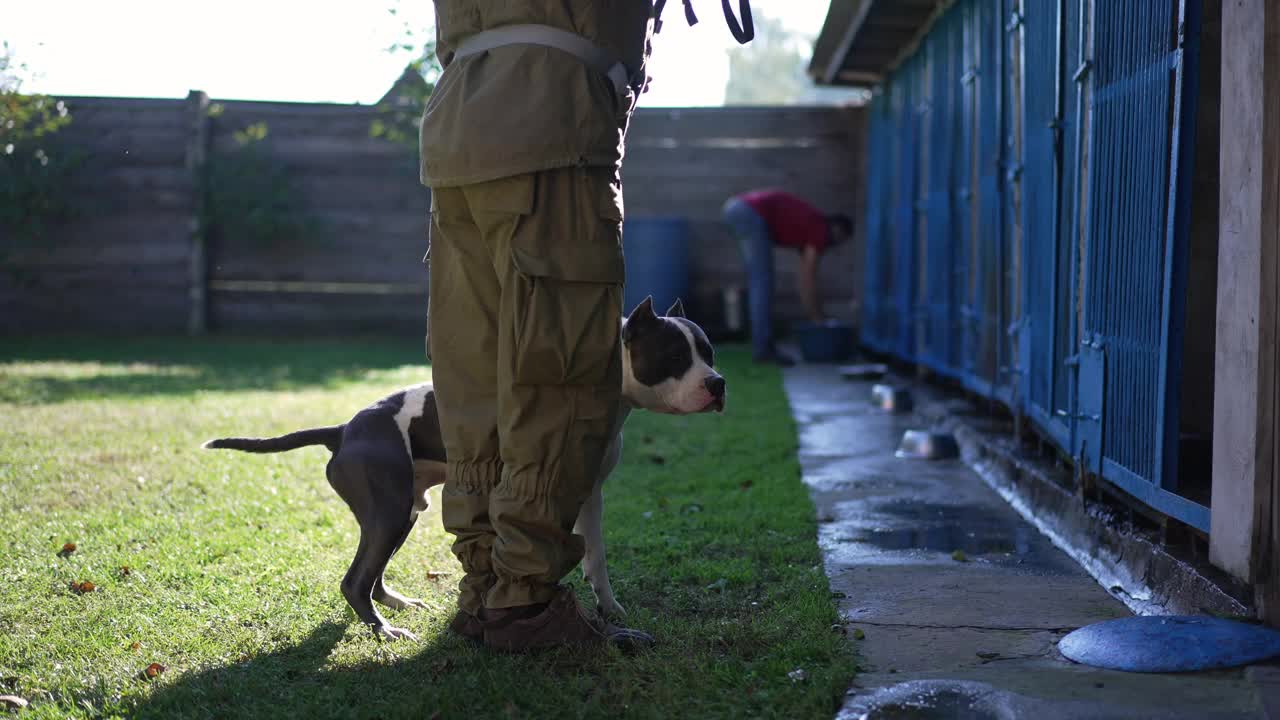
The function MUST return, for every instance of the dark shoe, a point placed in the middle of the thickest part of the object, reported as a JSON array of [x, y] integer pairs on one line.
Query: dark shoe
[[467, 626], [553, 624]]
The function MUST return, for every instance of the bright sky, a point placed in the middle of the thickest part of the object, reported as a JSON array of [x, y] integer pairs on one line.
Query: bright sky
[[303, 50]]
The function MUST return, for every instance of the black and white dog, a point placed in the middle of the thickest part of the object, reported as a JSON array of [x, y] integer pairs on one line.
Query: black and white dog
[[390, 454]]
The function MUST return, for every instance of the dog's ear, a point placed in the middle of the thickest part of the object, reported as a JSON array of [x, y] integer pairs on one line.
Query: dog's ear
[[639, 319], [676, 309]]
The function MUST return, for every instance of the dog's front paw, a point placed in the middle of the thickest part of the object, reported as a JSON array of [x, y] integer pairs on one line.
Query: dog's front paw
[[610, 608], [386, 632]]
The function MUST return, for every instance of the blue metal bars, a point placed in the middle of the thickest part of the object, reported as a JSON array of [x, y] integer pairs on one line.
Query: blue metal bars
[[1028, 169]]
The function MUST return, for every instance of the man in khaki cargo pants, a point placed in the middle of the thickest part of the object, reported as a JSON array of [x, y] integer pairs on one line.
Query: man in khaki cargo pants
[[521, 145]]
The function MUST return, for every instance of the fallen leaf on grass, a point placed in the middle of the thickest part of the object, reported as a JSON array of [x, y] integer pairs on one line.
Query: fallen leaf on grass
[[798, 675], [153, 671], [435, 575], [83, 587], [136, 646], [125, 571], [67, 549], [12, 702]]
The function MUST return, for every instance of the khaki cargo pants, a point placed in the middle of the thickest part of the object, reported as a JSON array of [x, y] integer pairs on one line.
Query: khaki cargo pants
[[524, 335]]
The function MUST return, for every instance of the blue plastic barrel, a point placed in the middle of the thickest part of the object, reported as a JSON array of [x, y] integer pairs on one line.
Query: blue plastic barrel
[[657, 254]]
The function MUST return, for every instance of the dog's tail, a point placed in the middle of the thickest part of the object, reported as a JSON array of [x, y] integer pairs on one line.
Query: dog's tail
[[330, 437]]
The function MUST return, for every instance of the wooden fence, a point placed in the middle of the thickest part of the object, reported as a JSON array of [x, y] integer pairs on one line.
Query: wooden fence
[[135, 260]]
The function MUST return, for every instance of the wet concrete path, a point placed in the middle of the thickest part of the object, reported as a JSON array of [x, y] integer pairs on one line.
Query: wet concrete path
[[954, 602]]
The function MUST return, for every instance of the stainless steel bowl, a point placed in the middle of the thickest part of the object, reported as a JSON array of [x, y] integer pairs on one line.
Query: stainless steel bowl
[[891, 399], [927, 445]]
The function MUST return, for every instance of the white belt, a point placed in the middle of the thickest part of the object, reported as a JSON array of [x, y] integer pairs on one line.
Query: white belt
[[597, 58]]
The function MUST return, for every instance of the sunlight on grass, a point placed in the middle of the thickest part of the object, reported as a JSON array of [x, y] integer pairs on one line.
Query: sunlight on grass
[[224, 567]]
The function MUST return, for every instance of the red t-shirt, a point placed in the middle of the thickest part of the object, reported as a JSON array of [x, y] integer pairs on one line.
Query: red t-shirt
[[792, 222]]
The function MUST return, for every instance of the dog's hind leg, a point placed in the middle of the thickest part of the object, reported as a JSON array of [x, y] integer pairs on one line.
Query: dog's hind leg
[[389, 597], [384, 516], [590, 526], [376, 546], [426, 475]]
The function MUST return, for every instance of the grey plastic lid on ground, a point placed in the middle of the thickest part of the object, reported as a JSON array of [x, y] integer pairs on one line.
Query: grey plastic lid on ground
[[1170, 643]]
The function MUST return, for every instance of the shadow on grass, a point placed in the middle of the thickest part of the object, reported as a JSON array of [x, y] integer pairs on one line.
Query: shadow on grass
[[294, 682], [439, 676], [58, 369]]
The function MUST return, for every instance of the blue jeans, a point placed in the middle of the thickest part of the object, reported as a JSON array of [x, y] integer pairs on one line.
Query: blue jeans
[[756, 245]]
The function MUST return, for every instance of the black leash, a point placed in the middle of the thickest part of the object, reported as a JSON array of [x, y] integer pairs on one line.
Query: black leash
[[742, 32]]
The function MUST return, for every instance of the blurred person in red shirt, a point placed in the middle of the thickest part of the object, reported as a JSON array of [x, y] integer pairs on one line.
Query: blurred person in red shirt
[[764, 219]]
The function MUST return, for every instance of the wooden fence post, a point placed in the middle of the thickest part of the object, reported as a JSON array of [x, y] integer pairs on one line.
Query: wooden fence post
[[1244, 537], [196, 158]]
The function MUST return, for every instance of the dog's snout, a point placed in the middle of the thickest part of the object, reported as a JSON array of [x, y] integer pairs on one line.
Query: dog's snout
[[714, 385]]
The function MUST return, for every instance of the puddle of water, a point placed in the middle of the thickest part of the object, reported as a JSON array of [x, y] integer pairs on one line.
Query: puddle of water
[[870, 531], [936, 527], [934, 703], [947, 538], [847, 435]]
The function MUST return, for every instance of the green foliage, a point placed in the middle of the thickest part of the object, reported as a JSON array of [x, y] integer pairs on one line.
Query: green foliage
[[773, 70], [770, 69], [251, 198], [35, 169], [401, 109]]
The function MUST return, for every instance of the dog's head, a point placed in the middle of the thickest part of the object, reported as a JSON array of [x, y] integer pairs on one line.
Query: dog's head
[[668, 365]]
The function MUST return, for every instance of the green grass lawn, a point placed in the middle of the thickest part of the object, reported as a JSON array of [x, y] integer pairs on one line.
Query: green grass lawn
[[233, 560]]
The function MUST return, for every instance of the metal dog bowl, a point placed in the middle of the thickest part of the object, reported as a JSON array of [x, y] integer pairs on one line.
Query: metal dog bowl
[[926, 445], [865, 371], [891, 399]]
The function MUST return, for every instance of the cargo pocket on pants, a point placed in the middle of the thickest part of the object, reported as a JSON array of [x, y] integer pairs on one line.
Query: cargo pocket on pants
[[569, 272]]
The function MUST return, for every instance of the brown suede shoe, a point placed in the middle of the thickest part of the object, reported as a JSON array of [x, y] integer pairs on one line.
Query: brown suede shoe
[[467, 626], [559, 622]]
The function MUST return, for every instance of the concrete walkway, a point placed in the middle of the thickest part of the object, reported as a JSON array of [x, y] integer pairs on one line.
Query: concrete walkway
[[954, 602]]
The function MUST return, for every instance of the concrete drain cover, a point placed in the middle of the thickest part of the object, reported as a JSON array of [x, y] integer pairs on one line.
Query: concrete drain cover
[[1170, 643]]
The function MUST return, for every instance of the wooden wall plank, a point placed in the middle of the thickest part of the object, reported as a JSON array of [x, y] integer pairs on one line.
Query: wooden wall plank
[[373, 214]]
